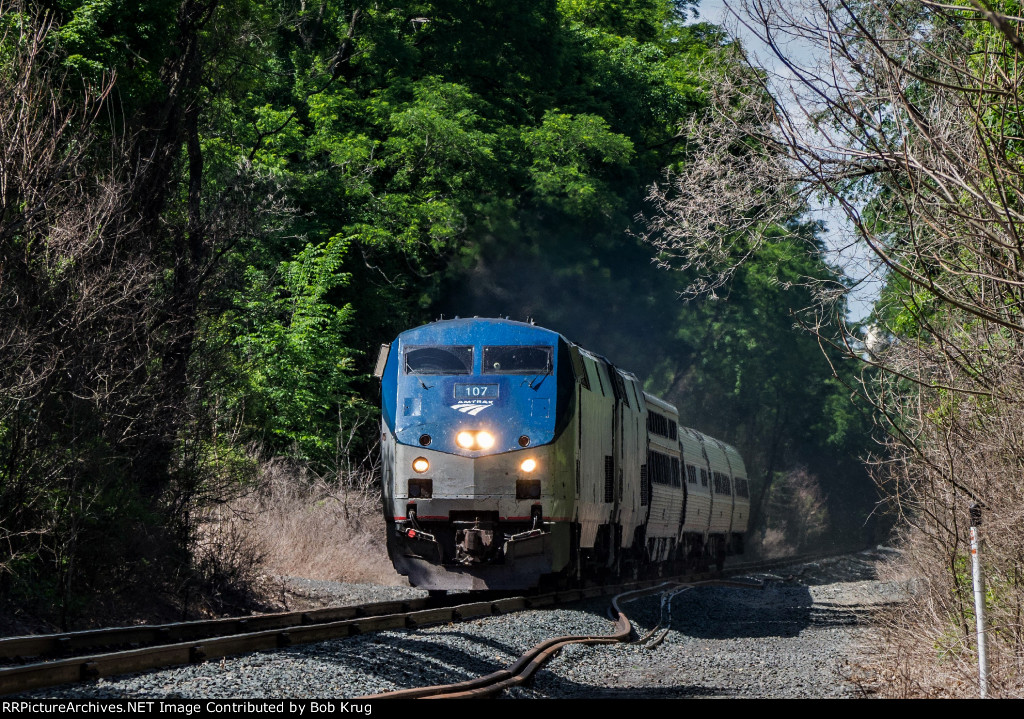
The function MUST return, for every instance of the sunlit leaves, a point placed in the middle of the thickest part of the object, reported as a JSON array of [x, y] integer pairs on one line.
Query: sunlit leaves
[[290, 343], [568, 153]]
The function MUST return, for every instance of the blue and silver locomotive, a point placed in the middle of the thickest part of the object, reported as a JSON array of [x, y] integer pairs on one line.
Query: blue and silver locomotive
[[512, 457]]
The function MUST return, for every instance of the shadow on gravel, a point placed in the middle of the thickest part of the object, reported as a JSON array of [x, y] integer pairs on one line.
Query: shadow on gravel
[[564, 689], [414, 661], [451, 653], [842, 569], [781, 609], [778, 610]]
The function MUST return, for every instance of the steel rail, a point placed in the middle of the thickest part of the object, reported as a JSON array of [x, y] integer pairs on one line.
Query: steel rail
[[38, 675], [193, 642], [520, 671], [18, 649], [50, 673], [523, 668]]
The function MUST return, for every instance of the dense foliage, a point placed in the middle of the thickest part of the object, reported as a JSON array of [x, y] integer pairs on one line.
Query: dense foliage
[[246, 197], [915, 135]]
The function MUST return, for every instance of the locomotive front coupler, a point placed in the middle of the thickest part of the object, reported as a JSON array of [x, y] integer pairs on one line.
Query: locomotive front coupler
[[475, 543]]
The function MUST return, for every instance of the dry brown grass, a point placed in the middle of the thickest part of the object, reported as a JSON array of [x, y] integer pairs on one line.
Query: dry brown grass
[[774, 545], [921, 650], [795, 516], [965, 449], [296, 524]]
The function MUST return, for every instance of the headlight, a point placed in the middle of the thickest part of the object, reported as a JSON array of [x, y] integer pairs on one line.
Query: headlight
[[420, 464], [474, 440], [528, 465]]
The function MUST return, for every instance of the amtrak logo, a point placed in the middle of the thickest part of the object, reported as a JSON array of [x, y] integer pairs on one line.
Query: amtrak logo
[[472, 408]]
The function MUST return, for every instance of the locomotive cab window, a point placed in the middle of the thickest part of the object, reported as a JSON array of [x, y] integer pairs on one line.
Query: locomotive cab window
[[439, 360], [515, 359]]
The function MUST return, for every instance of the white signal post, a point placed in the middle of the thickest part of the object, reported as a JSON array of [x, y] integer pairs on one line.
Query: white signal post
[[979, 601]]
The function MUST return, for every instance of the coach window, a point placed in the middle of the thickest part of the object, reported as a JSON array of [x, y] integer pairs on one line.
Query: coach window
[[722, 484], [515, 359], [691, 474], [657, 424], [658, 468], [742, 488], [439, 360]]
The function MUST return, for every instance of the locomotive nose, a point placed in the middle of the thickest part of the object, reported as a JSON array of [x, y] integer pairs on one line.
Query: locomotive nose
[[491, 479]]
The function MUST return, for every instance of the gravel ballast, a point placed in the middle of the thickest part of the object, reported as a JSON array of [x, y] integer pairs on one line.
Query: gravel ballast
[[795, 637]]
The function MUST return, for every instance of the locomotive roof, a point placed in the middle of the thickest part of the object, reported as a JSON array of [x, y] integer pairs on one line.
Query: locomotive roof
[[454, 329], [500, 329]]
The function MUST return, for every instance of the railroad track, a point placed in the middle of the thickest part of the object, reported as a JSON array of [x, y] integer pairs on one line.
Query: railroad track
[[192, 642], [16, 650], [520, 671], [41, 661]]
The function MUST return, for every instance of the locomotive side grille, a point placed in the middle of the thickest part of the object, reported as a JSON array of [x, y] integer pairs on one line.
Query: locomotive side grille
[[643, 485], [609, 479]]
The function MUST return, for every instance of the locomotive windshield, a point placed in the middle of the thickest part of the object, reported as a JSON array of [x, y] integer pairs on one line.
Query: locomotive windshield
[[515, 359], [439, 360]]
